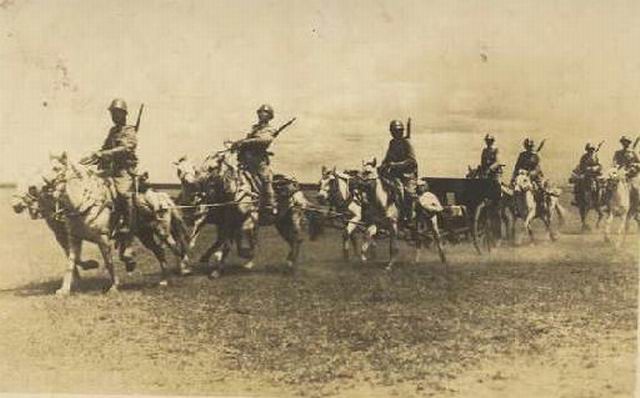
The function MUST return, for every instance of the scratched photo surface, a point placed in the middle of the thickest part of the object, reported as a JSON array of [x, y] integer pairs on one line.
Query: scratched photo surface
[[455, 287]]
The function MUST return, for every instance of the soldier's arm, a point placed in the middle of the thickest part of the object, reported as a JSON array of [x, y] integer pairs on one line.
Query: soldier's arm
[[126, 144], [264, 138]]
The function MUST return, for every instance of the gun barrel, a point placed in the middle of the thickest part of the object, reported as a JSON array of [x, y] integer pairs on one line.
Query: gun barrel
[[137, 127]]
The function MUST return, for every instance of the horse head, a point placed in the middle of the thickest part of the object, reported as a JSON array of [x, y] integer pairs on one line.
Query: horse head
[[522, 182], [187, 173], [615, 177], [328, 176], [28, 196], [370, 169]]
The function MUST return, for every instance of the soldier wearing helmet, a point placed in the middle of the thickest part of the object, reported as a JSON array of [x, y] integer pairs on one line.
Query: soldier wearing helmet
[[118, 160], [626, 157], [400, 165], [490, 166], [529, 160], [254, 157], [588, 170]]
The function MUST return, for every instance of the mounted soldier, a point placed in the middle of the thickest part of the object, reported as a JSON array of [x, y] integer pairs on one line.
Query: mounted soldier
[[118, 161], [627, 159], [490, 166], [253, 156], [529, 160], [587, 173], [400, 166]]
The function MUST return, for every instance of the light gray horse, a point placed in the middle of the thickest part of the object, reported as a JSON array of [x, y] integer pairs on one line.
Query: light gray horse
[[84, 202]]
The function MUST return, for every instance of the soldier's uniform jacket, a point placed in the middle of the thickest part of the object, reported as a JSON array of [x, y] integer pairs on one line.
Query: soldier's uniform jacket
[[589, 165], [401, 152], [625, 158], [253, 152], [119, 151], [529, 161], [489, 160]]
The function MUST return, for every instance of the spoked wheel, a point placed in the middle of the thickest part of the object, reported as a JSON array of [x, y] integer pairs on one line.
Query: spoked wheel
[[483, 238]]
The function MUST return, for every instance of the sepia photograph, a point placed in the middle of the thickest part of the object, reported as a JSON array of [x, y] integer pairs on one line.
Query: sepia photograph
[[319, 198]]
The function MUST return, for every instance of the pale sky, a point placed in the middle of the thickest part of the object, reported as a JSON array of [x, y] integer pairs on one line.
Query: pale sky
[[565, 71]]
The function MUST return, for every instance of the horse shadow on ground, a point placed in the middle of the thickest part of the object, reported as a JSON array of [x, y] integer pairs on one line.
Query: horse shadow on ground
[[48, 287]]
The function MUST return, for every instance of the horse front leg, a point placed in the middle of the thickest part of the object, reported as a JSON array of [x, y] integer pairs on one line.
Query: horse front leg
[[195, 231], [527, 226], [289, 229], [249, 232], [74, 252], [607, 226], [583, 217], [547, 223], [349, 239], [433, 223], [179, 251], [393, 244], [220, 250], [367, 242]]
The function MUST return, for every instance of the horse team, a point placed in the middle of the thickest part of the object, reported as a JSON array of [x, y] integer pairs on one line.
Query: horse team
[[78, 202]]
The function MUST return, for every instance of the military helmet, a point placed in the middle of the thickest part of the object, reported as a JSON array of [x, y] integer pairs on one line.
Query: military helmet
[[589, 146], [265, 108], [528, 143], [118, 103], [624, 139], [396, 125], [489, 137]]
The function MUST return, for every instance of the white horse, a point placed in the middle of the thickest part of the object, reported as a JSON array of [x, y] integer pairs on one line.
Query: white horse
[[525, 206], [334, 190], [381, 211], [617, 203], [85, 203]]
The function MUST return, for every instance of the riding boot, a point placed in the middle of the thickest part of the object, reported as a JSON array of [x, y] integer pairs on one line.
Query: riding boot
[[126, 236]]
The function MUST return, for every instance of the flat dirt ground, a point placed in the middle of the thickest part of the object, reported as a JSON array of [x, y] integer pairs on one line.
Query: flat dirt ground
[[554, 320]]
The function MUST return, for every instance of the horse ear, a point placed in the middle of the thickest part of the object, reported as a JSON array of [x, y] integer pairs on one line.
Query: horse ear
[[324, 169], [334, 169], [375, 162], [64, 158]]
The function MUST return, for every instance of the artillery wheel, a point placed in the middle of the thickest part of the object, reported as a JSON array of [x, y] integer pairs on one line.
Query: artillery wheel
[[482, 229]]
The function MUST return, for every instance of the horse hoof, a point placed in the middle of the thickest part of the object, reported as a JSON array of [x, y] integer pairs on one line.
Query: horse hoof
[[113, 290], [215, 274], [186, 271], [249, 265], [163, 283], [389, 268], [62, 293]]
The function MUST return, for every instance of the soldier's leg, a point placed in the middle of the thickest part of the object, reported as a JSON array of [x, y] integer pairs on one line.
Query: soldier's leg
[[124, 188], [410, 197], [266, 179]]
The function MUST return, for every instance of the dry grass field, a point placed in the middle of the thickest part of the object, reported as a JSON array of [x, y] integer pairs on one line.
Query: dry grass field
[[554, 320]]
